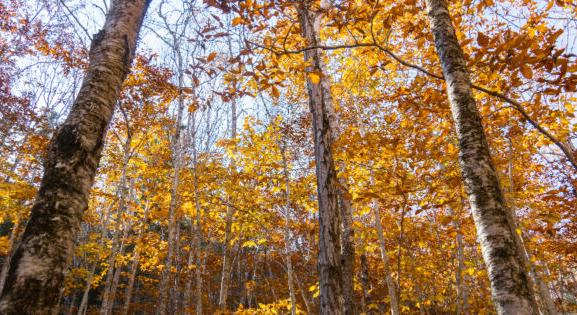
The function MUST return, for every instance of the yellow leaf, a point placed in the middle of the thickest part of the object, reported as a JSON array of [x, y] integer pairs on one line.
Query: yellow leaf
[[249, 244], [315, 78]]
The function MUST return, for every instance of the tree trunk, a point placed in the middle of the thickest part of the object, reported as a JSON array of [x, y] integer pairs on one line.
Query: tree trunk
[[84, 302], [197, 232], [289, 264], [348, 248], [462, 290], [510, 286], [365, 283], [391, 286], [303, 293], [135, 260], [270, 275], [6, 265], [225, 276], [37, 272], [115, 279], [320, 102], [547, 305], [165, 281], [131, 280], [108, 295]]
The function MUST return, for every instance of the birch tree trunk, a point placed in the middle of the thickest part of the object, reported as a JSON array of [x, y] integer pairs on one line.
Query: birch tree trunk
[[510, 286], [320, 102], [37, 271]]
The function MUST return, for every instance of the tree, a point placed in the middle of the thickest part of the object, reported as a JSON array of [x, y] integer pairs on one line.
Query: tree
[[321, 107], [38, 265], [496, 229]]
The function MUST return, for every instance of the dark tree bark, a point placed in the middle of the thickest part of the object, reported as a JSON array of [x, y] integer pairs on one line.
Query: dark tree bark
[[37, 270], [321, 107], [510, 285]]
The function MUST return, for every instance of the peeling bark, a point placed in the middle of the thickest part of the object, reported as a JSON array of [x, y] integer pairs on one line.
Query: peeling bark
[[510, 285], [37, 272]]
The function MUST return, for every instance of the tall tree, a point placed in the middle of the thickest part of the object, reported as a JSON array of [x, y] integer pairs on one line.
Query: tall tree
[[511, 289], [38, 265], [321, 107]]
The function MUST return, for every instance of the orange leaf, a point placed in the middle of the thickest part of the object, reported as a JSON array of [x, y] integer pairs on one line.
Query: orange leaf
[[482, 39], [237, 20], [211, 56], [526, 71], [275, 92]]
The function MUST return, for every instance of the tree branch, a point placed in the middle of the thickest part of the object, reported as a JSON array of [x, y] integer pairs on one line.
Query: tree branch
[[516, 105]]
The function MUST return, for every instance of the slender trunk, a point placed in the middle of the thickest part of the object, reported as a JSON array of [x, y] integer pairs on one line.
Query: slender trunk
[[303, 293], [107, 299], [547, 306], [269, 271], [84, 302], [225, 276], [198, 232], [135, 260], [365, 299], [348, 248], [320, 103], [131, 280], [391, 285], [71, 304], [115, 279], [288, 259], [165, 282], [462, 290], [175, 292], [188, 287], [36, 275], [400, 245], [510, 284]]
